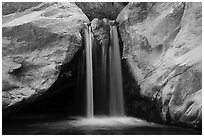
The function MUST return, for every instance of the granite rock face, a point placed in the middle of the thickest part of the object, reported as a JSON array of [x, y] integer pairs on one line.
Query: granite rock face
[[36, 42], [163, 49]]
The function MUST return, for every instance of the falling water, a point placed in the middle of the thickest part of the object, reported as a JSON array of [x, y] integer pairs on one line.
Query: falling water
[[89, 72], [107, 97], [116, 88]]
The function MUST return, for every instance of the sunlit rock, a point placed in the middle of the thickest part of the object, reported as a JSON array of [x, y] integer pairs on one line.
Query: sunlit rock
[[162, 45], [36, 43]]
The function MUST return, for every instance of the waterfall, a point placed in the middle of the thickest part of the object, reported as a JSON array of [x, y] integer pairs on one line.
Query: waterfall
[[89, 72], [116, 88], [104, 90]]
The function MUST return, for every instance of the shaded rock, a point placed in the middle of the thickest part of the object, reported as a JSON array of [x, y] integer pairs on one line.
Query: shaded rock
[[162, 47], [101, 31], [6, 99], [35, 44], [100, 10]]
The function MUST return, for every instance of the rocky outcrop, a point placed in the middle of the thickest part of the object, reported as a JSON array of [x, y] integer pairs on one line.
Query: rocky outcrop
[[36, 43], [162, 47], [100, 10]]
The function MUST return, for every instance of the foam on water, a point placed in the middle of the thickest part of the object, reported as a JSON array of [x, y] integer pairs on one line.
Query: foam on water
[[109, 122]]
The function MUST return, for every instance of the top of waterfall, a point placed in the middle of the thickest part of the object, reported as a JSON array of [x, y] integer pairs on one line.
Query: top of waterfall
[[87, 24], [113, 22]]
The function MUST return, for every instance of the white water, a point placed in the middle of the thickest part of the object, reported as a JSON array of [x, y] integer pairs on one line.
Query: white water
[[89, 72], [115, 91], [116, 87], [109, 122]]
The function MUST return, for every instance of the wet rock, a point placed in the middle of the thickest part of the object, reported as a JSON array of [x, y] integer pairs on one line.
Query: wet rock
[[36, 43], [162, 47]]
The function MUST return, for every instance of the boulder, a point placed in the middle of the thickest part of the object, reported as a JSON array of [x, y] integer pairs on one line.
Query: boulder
[[36, 42], [162, 48]]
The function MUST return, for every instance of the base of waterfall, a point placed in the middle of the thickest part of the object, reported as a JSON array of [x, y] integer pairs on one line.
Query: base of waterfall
[[59, 125], [108, 122]]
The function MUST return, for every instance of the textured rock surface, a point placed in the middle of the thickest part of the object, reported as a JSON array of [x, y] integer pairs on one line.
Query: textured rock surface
[[101, 30], [100, 10], [162, 46], [13, 7], [36, 42]]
